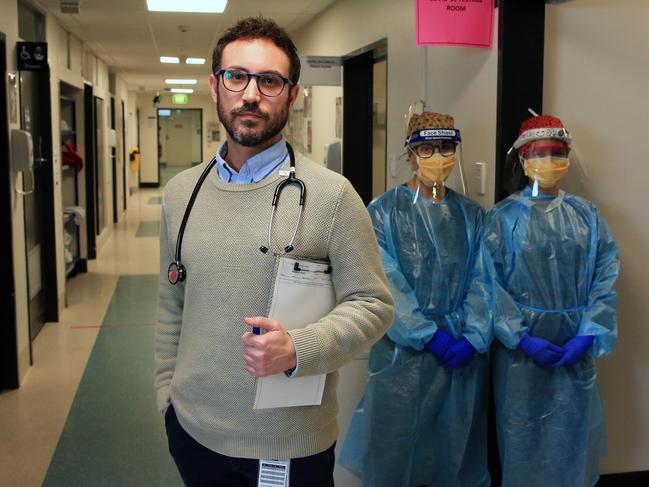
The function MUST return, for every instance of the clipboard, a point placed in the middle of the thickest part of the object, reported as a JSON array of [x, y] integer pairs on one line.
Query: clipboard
[[303, 293]]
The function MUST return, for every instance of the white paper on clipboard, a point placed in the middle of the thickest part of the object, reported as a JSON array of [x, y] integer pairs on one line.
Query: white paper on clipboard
[[301, 296]]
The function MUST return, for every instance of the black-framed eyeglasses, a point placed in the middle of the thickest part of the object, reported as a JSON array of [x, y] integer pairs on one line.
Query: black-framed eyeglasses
[[426, 150], [268, 84]]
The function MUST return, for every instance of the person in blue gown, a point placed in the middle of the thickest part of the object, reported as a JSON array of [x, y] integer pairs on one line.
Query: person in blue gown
[[422, 419], [553, 263]]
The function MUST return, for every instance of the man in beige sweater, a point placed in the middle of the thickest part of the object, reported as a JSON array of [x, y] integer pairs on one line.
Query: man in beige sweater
[[207, 359]]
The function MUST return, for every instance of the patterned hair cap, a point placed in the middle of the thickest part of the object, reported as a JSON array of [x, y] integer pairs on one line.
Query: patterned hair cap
[[541, 127], [429, 120]]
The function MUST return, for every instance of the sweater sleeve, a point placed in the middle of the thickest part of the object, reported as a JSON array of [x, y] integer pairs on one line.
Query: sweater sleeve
[[365, 308], [170, 309]]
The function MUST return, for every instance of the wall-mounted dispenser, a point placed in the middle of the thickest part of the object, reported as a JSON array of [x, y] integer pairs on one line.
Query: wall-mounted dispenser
[[22, 158]]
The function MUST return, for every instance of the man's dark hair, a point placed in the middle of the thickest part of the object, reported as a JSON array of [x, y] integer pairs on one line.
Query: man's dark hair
[[259, 28]]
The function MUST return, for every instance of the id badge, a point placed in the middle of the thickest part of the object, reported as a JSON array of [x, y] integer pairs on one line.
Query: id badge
[[274, 473]]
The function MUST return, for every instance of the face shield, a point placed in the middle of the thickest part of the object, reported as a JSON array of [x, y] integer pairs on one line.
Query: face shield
[[438, 153], [545, 159], [435, 155]]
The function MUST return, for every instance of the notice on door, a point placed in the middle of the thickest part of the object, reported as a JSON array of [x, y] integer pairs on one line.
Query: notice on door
[[467, 23]]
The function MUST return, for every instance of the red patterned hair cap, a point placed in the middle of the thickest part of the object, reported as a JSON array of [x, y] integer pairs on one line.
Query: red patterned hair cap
[[541, 122], [542, 127]]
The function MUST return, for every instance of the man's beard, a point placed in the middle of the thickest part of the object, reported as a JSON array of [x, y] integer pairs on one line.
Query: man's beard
[[247, 135]]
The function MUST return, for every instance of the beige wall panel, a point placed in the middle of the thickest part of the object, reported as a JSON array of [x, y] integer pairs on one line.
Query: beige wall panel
[[596, 80]]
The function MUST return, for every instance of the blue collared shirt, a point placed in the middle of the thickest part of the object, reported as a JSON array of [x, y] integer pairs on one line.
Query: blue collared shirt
[[256, 168]]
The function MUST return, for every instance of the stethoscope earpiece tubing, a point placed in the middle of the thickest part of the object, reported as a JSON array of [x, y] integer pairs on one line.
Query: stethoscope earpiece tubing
[[291, 179]]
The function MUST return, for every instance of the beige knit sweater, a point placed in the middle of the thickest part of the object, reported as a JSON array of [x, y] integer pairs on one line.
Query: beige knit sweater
[[199, 354]]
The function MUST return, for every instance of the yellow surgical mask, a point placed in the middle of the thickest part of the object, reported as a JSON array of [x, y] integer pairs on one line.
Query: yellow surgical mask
[[548, 171], [435, 169]]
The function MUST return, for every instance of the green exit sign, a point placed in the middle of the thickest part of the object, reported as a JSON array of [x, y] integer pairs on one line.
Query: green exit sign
[[177, 99]]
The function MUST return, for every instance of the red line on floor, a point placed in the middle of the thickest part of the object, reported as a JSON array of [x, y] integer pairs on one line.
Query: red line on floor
[[130, 325]]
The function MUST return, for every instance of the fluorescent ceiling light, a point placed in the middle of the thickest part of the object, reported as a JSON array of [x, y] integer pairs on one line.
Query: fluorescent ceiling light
[[180, 81], [182, 90], [169, 59], [162, 112], [195, 6], [195, 60]]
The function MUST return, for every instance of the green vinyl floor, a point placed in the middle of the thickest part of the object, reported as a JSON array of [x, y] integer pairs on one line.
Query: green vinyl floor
[[148, 229], [114, 435]]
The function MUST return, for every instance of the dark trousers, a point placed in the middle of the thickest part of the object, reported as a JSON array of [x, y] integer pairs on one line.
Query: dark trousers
[[202, 467]]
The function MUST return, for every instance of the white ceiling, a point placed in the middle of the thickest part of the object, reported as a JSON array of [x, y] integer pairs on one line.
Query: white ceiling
[[130, 39]]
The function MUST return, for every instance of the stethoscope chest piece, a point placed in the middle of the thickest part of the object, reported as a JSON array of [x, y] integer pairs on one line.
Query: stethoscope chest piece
[[176, 273]]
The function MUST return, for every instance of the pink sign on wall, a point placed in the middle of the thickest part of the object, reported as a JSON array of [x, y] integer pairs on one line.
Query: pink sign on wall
[[466, 23]]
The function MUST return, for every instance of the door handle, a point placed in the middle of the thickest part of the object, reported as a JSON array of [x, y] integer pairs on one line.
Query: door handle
[[39, 162]]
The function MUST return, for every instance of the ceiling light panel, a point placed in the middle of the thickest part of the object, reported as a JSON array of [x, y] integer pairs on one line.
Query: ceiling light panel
[[169, 59], [182, 90], [195, 60], [180, 81], [193, 6]]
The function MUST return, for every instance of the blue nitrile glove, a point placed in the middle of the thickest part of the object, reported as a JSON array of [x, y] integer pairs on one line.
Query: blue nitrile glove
[[543, 352], [459, 354], [440, 343], [575, 349]]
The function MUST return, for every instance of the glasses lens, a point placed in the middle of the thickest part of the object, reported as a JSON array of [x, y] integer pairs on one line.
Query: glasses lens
[[270, 84], [235, 80], [447, 149], [424, 150]]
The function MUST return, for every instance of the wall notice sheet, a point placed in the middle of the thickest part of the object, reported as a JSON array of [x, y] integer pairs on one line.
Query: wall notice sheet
[[303, 294]]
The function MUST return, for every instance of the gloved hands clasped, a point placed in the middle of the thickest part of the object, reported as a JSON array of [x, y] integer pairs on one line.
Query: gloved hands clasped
[[547, 354], [454, 353]]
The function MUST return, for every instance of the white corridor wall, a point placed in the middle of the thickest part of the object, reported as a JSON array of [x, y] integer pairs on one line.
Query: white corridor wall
[[460, 81]]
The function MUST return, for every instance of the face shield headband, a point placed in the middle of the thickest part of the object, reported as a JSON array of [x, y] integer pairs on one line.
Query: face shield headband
[[543, 133], [427, 135]]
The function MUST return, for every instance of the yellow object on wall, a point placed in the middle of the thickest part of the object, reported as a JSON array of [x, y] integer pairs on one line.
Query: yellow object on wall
[[134, 157]]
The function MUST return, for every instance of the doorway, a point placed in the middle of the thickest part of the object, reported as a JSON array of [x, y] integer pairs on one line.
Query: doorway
[[99, 160], [39, 205], [379, 125], [113, 159], [364, 119], [122, 139], [90, 168], [180, 140], [8, 337], [36, 118]]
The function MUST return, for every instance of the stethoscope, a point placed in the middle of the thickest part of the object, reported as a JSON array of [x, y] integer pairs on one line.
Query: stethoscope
[[178, 273]]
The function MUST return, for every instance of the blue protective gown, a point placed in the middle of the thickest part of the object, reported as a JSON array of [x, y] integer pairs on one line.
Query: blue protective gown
[[553, 263], [420, 423]]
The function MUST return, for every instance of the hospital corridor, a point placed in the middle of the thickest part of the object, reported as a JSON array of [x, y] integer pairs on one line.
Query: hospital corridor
[[87, 388], [316, 243]]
